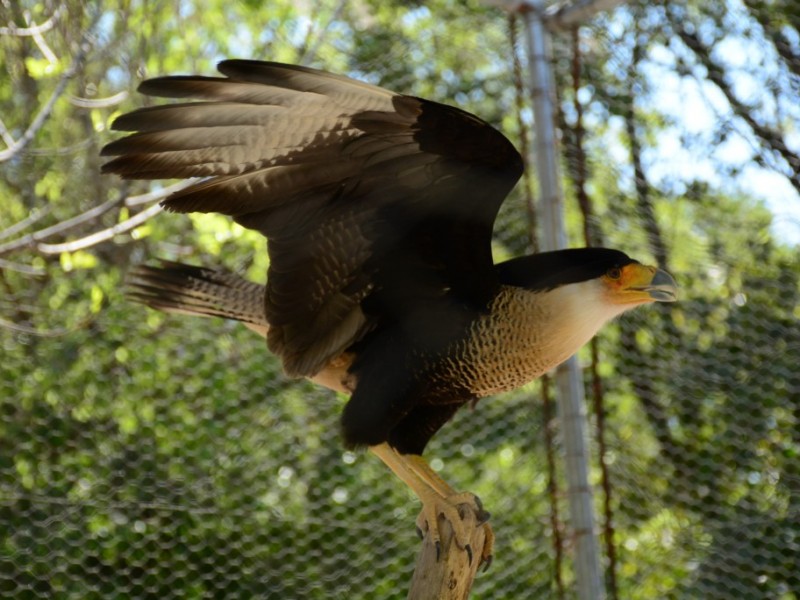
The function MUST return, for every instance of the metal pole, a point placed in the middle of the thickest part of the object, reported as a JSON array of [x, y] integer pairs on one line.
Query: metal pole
[[571, 404]]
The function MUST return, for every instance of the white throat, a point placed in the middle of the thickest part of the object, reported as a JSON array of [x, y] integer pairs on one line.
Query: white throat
[[574, 313]]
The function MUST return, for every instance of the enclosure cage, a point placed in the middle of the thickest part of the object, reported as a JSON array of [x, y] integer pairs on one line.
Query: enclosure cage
[[145, 455]]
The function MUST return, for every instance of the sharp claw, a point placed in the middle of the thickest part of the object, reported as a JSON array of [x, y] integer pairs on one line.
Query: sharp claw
[[464, 511], [487, 562]]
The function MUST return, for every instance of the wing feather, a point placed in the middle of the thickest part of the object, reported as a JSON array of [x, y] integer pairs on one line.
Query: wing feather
[[377, 207]]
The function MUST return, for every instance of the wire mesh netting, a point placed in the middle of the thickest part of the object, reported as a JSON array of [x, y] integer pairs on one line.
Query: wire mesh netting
[[145, 455]]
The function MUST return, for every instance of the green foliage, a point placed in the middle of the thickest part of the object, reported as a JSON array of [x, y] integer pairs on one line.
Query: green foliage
[[152, 456]]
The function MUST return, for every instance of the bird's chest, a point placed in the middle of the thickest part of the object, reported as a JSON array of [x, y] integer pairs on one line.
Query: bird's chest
[[525, 335]]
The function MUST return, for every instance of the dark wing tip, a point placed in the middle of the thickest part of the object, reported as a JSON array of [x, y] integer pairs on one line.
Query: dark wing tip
[[256, 70], [114, 148], [450, 130], [230, 67], [135, 120], [176, 86]]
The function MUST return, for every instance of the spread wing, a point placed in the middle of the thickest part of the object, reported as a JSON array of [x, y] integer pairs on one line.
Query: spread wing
[[377, 206]]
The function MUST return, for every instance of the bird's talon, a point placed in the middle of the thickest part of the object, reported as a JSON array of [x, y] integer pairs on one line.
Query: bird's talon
[[465, 513], [487, 562]]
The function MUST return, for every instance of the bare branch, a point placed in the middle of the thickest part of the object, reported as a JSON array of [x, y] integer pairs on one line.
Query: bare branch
[[775, 33], [62, 150], [159, 194], [644, 199], [47, 333], [27, 269], [770, 139], [33, 240], [6, 134], [41, 42], [101, 236], [36, 29], [35, 216], [77, 62], [99, 102], [44, 113], [310, 52]]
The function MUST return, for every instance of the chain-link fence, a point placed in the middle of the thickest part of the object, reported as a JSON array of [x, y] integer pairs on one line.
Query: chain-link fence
[[152, 456]]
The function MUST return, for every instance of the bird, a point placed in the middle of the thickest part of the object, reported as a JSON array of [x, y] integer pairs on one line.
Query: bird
[[378, 210]]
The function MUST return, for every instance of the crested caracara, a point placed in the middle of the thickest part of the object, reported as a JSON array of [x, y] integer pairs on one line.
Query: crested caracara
[[378, 211]]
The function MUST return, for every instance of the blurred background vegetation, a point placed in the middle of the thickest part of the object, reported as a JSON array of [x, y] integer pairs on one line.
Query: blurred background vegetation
[[153, 456]]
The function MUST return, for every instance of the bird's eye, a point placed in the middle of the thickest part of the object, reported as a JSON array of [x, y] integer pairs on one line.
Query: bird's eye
[[614, 273]]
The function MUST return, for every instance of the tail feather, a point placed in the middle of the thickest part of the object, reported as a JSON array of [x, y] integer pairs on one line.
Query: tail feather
[[178, 288]]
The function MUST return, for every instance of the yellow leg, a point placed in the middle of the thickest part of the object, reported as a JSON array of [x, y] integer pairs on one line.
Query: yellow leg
[[437, 498]]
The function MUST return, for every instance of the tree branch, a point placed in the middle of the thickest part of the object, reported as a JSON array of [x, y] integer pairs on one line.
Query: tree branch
[[448, 576], [774, 33], [644, 386], [643, 199], [33, 240], [308, 52], [159, 194], [101, 236], [770, 138], [6, 134], [27, 269], [99, 102], [77, 62], [36, 29], [46, 333], [33, 217]]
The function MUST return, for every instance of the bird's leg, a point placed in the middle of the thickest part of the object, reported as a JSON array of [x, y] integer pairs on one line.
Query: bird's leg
[[437, 498]]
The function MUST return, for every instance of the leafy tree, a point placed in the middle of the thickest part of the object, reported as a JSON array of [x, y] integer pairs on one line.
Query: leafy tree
[[145, 455]]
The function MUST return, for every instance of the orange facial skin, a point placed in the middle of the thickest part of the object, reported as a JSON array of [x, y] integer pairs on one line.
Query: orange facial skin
[[636, 283]]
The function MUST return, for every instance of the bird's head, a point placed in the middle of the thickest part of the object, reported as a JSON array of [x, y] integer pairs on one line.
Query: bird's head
[[578, 290], [633, 283], [621, 280], [575, 292]]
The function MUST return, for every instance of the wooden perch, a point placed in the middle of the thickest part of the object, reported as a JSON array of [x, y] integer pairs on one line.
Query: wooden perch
[[451, 576]]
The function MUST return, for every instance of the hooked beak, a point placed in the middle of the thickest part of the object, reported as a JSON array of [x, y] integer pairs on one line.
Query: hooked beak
[[661, 287], [641, 284]]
